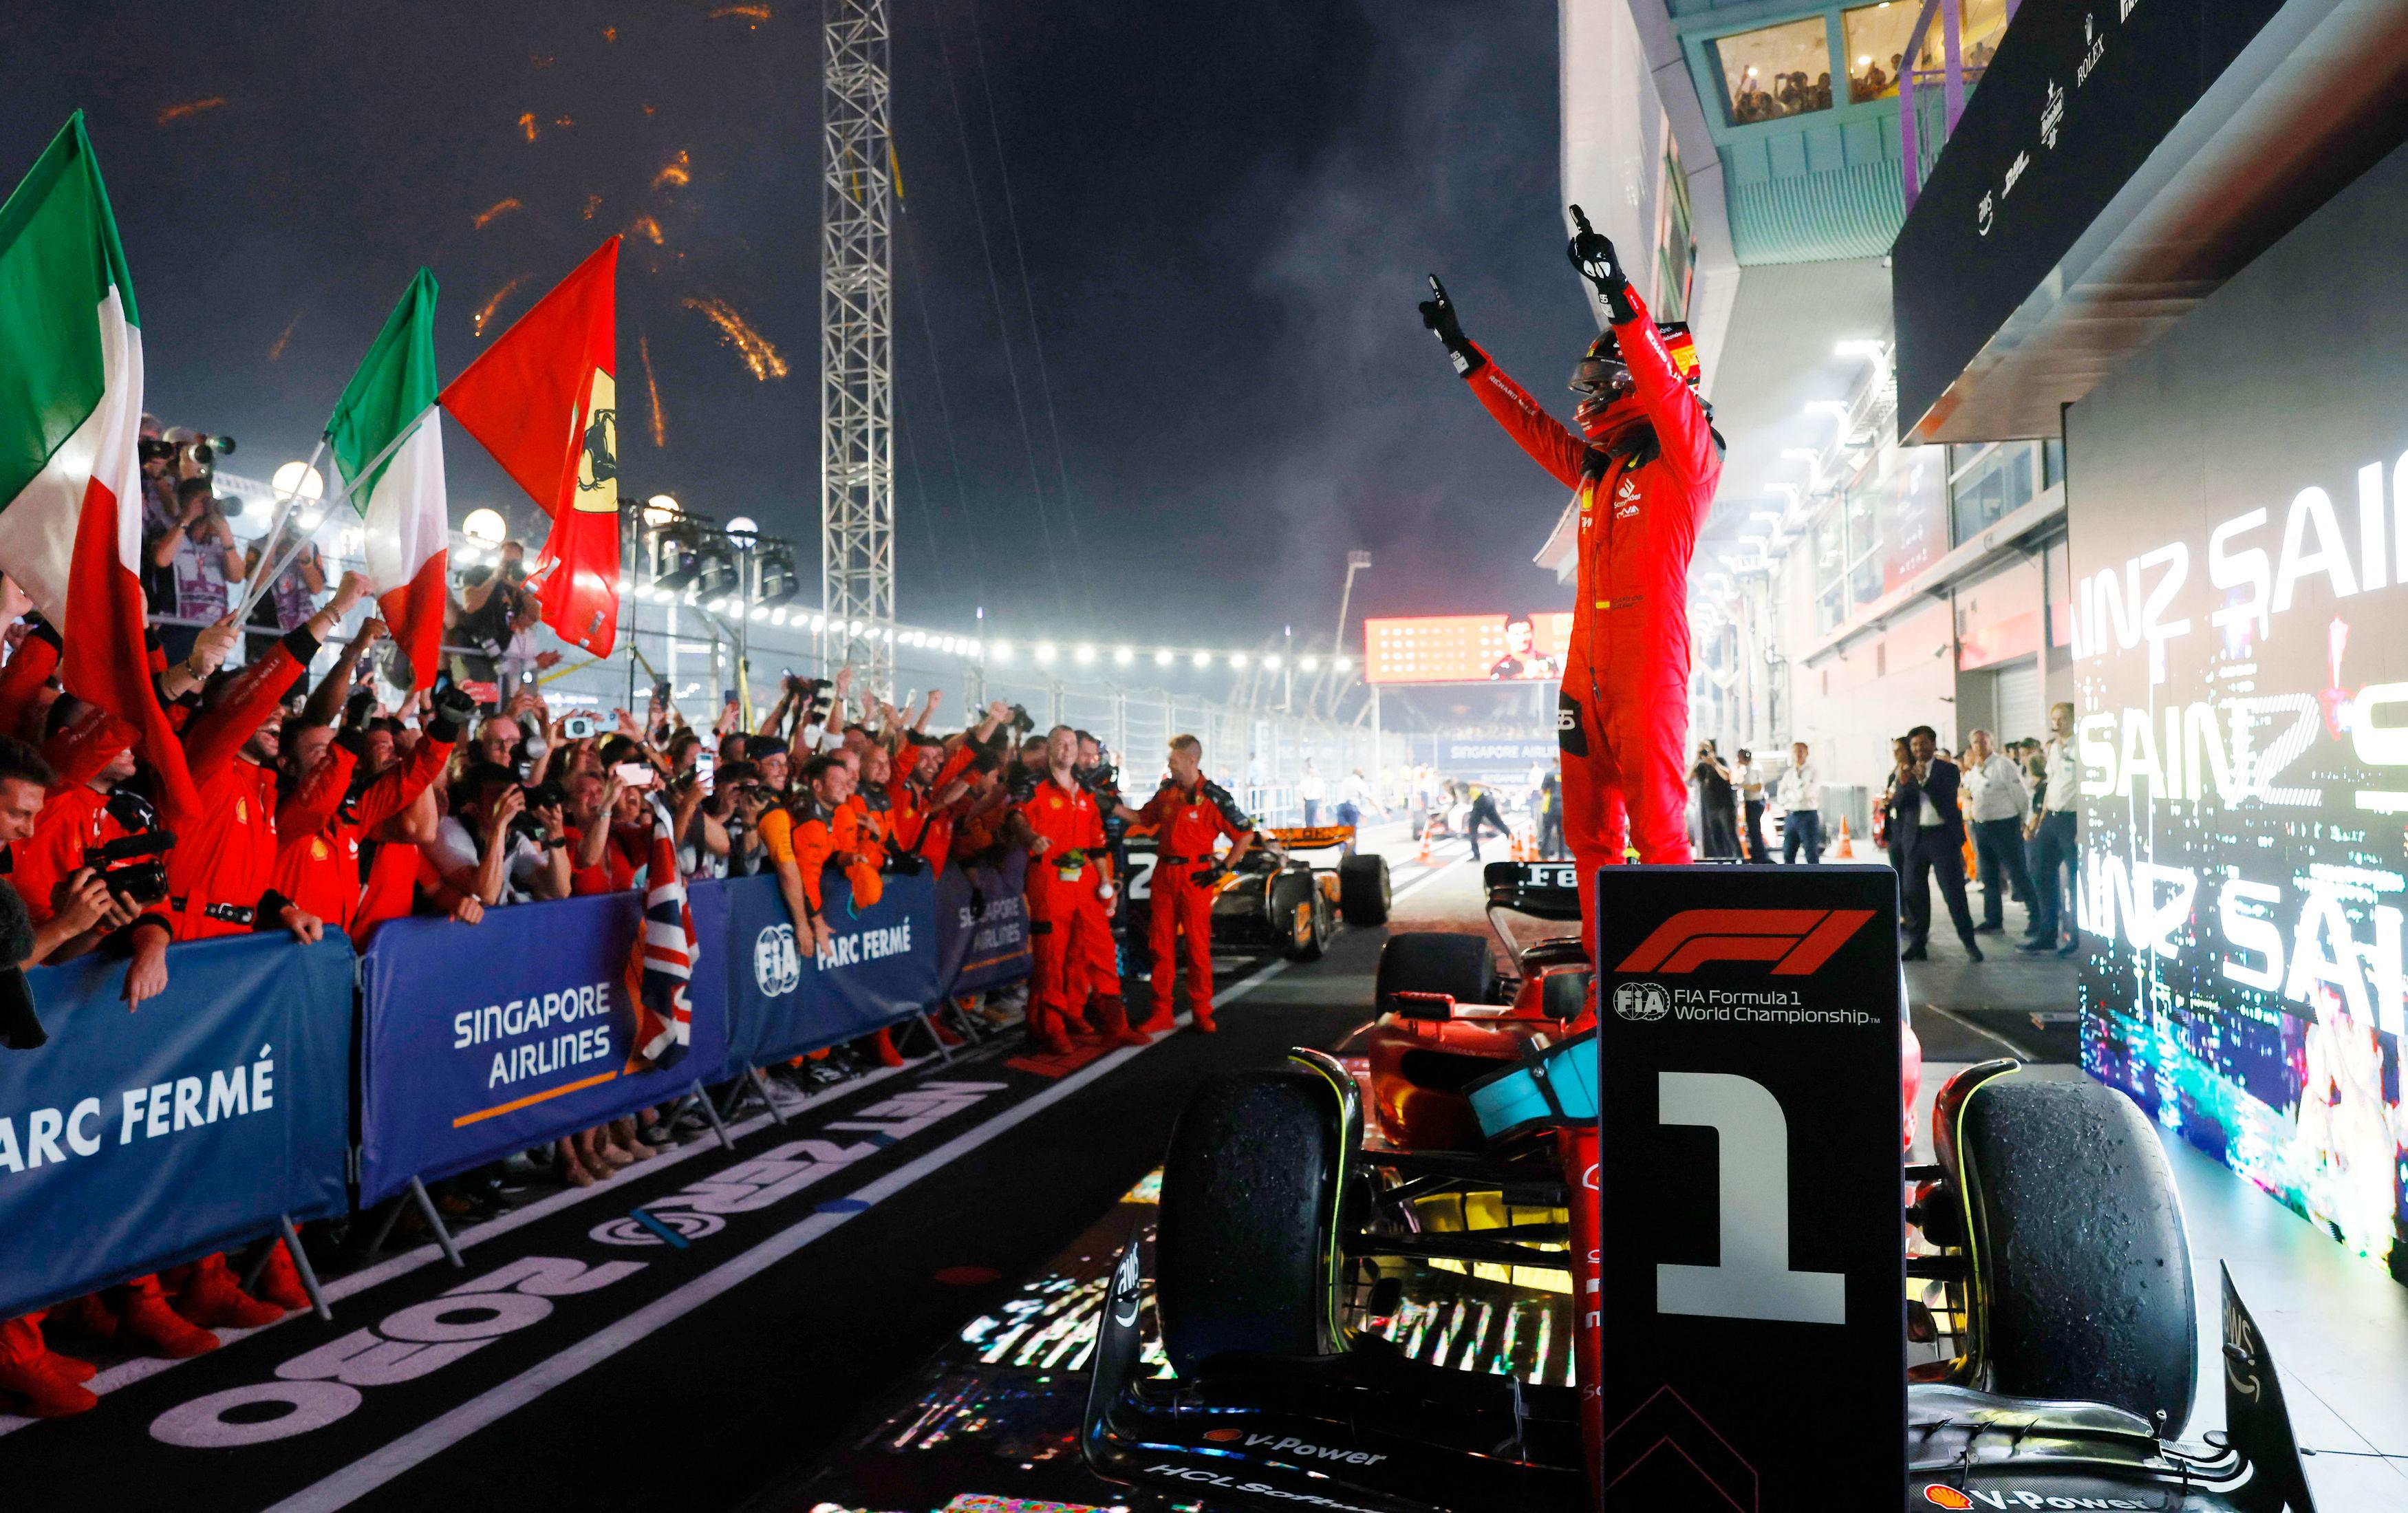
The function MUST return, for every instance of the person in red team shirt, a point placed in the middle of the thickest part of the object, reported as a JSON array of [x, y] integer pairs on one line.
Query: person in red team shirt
[[320, 824], [1644, 465], [1189, 815], [1069, 892], [218, 875]]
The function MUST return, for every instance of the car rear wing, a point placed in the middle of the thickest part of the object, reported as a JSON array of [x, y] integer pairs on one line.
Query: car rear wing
[[1311, 837], [1540, 890]]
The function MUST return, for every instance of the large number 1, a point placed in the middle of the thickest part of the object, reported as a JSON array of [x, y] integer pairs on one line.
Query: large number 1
[[1753, 1280]]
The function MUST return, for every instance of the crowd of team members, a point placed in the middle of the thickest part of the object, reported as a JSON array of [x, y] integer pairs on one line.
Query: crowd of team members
[[321, 807]]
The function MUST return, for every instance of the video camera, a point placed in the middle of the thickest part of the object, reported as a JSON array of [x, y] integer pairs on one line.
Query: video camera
[[131, 865]]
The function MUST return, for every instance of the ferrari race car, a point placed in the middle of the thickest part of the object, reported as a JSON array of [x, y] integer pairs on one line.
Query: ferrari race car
[[2049, 1349], [1287, 895]]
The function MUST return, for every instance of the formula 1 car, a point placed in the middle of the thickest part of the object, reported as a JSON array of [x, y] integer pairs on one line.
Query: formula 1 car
[[2054, 1305], [1287, 894]]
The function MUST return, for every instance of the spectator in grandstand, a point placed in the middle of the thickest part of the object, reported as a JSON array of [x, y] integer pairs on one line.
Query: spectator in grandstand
[[1923, 792], [1750, 782], [1800, 793], [2001, 804], [196, 561]]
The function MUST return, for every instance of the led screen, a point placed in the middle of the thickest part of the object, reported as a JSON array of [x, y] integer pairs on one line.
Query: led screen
[[1515, 647], [2239, 533]]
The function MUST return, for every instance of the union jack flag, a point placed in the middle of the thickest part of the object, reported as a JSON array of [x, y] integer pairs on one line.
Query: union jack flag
[[662, 963]]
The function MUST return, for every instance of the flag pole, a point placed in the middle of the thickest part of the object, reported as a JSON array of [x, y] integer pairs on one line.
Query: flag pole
[[341, 496], [284, 499]]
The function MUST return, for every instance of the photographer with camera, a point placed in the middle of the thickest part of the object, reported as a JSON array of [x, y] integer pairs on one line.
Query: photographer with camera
[[481, 618], [491, 849], [293, 594], [195, 563], [91, 868]]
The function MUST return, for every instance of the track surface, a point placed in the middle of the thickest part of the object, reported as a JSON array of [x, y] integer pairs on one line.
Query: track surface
[[707, 1333]]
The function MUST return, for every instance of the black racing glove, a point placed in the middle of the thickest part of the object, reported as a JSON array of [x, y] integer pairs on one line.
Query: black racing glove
[[454, 707], [1207, 876], [1597, 262], [1438, 314]]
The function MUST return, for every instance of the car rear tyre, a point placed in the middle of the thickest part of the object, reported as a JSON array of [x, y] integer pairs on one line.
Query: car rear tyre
[[1296, 910], [2084, 1272], [1433, 961], [1363, 891], [1244, 1254]]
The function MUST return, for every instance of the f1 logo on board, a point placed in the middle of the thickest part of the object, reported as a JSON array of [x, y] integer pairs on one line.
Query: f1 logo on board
[[1796, 940]]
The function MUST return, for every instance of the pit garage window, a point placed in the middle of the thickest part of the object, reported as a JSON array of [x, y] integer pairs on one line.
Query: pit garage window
[[1990, 482], [1877, 36], [1776, 71]]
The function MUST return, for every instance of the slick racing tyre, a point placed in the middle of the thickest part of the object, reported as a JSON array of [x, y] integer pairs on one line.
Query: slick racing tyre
[[1363, 891], [1297, 915], [2082, 1281], [1245, 1255], [1434, 961]]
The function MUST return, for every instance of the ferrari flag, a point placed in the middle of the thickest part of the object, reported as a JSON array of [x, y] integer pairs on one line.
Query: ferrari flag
[[384, 425], [70, 416], [543, 400]]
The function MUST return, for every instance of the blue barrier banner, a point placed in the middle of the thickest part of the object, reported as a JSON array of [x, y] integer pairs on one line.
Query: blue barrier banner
[[982, 925], [485, 1039], [134, 1141], [881, 968]]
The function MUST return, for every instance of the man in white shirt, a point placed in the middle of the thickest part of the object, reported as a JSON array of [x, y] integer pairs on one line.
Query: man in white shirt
[[2002, 801], [1800, 794], [1311, 789], [1749, 779], [2055, 832]]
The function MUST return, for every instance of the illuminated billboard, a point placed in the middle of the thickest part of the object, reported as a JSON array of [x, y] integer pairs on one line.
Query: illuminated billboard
[[2240, 645], [1505, 647]]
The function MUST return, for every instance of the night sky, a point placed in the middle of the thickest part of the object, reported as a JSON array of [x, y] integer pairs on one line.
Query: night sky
[[1224, 213]]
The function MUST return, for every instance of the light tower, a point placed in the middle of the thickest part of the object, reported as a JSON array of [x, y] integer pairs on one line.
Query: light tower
[[856, 340]]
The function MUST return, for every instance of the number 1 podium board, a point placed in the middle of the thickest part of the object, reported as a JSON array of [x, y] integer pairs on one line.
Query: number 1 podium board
[[1752, 1245]]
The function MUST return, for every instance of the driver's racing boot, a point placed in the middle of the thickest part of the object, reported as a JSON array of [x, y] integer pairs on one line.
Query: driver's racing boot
[[1202, 1023], [49, 1385], [1044, 1031]]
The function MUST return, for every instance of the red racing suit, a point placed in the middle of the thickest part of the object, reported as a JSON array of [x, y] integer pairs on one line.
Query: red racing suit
[[220, 872], [1622, 715], [1186, 825], [319, 827], [1071, 927]]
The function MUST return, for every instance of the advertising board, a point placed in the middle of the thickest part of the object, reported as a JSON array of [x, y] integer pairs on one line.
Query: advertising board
[[2238, 540], [1515, 646]]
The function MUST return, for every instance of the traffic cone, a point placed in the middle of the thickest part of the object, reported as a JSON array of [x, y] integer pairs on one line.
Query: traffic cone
[[1844, 853], [1424, 856]]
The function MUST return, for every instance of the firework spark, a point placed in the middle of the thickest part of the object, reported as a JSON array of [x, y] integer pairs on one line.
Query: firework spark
[[485, 311], [277, 350], [190, 108], [677, 170], [496, 211], [609, 34], [650, 229], [652, 387], [755, 348], [526, 124], [593, 203], [747, 12], [539, 61]]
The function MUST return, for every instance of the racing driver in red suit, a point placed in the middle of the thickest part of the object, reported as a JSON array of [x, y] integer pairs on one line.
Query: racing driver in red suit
[[1643, 468]]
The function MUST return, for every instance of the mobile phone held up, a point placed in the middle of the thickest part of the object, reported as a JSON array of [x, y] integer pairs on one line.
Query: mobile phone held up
[[577, 728], [634, 774]]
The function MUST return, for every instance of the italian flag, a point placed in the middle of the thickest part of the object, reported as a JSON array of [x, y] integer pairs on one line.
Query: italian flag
[[390, 450], [70, 415]]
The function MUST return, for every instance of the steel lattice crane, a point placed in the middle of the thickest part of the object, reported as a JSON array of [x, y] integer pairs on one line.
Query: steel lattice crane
[[856, 342]]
